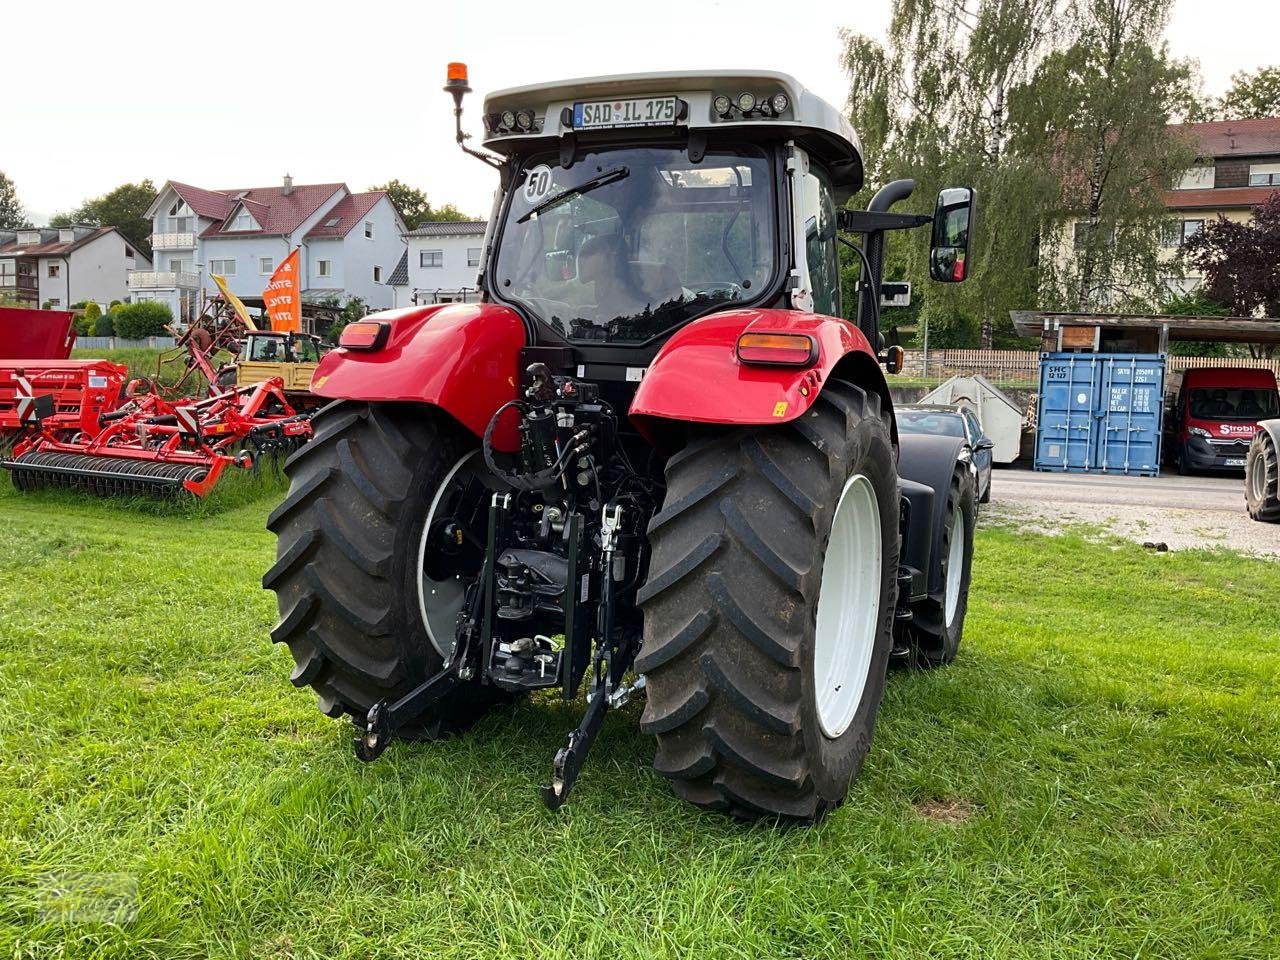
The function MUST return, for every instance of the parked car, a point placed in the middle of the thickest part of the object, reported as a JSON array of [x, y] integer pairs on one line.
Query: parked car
[[1216, 414], [952, 422]]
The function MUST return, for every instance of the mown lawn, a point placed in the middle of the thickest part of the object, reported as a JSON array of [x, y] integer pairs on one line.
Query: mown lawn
[[1095, 777]]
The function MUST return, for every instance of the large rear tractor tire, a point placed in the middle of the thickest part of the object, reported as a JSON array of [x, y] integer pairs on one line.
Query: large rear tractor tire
[[368, 597], [939, 620], [1262, 478], [769, 609]]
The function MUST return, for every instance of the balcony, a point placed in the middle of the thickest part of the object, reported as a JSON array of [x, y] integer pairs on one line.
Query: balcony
[[162, 280], [173, 241]]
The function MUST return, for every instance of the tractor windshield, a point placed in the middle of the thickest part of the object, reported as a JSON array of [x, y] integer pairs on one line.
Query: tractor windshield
[[632, 241]]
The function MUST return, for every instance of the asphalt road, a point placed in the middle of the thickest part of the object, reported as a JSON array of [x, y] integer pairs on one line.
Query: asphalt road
[[1208, 493], [1179, 512]]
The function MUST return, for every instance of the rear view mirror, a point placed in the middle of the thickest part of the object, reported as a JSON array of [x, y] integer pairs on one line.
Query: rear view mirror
[[986, 443], [952, 223], [561, 265]]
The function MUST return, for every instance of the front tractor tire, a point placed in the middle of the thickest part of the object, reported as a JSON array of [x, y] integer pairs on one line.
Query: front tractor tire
[[769, 607], [356, 609]]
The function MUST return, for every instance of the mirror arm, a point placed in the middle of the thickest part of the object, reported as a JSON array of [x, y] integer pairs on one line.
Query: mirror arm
[[864, 221]]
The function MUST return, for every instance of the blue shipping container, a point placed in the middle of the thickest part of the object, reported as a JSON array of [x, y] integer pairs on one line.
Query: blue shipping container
[[1100, 413]]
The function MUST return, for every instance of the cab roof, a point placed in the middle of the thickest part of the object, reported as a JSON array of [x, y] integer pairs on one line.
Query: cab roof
[[817, 125]]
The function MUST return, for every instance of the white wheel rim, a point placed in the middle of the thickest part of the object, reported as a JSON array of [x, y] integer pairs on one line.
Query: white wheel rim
[[955, 565], [848, 607], [440, 601]]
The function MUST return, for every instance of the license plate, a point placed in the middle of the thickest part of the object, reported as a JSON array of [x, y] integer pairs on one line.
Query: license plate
[[608, 114], [1234, 462]]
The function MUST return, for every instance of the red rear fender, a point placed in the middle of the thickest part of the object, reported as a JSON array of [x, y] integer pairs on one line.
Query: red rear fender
[[697, 376], [463, 358]]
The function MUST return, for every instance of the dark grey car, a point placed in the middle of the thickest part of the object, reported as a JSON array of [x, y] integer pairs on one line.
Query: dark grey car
[[952, 422]]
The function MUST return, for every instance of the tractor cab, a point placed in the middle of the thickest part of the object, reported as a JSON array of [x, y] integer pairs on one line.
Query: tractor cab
[[636, 205], [293, 357], [275, 346]]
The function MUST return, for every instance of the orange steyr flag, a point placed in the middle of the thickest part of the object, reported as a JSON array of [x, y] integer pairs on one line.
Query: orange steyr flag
[[283, 296]]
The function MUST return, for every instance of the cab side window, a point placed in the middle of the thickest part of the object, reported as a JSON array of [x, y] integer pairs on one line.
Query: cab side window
[[820, 242]]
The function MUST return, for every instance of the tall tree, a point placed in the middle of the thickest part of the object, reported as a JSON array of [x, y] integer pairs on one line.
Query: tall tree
[[12, 215], [414, 207], [1239, 261], [933, 104], [124, 208], [1095, 114], [1251, 96]]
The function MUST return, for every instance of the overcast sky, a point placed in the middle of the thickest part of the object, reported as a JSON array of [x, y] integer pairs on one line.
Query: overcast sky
[[237, 94]]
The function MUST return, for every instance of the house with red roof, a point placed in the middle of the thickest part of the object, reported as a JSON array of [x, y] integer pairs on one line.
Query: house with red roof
[[348, 243], [1238, 167], [65, 265]]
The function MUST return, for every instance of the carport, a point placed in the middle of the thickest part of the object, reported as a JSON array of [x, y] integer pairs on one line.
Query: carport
[[1138, 332]]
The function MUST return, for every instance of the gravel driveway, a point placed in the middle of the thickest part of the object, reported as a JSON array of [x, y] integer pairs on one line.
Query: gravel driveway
[[1183, 512]]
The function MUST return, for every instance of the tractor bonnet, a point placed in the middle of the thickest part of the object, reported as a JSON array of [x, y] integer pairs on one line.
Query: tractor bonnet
[[750, 104]]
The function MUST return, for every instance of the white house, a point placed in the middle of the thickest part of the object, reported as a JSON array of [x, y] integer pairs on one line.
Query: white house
[[65, 265], [349, 243], [441, 264]]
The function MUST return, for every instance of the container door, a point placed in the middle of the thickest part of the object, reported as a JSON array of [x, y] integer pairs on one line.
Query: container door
[[1068, 391], [1131, 402]]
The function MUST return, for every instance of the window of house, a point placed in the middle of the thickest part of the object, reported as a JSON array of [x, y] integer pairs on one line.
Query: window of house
[[377, 274], [324, 268], [473, 256], [1177, 232], [66, 235], [1199, 177], [1264, 174], [181, 266], [266, 265], [55, 301], [1081, 232], [368, 230], [55, 270], [224, 268], [28, 237], [244, 221], [431, 258]]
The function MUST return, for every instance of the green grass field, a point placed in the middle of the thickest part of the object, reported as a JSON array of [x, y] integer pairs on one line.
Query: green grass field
[[1095, 777]]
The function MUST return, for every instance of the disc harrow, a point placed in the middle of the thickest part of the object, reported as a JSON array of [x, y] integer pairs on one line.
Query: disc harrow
[[151, 446]]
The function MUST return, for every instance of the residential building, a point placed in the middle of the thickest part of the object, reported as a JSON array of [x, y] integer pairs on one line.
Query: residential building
[[1237, 168], [348, 243], [65, 265], [441, 264]]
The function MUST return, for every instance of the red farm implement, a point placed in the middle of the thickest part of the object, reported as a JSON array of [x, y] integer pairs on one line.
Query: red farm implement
[[154, 446], [59, 398]]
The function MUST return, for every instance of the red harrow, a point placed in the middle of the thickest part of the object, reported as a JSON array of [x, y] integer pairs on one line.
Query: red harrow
[[151, 445]]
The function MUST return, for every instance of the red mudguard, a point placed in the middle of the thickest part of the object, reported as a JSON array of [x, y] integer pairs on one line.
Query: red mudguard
[[697, 375], [463, 358]]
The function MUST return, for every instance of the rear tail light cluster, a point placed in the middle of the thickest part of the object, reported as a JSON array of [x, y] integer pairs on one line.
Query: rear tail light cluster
[[365, 335], [778, 349]]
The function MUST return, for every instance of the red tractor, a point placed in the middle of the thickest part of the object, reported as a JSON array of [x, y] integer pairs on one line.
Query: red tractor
[[654, 457]]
